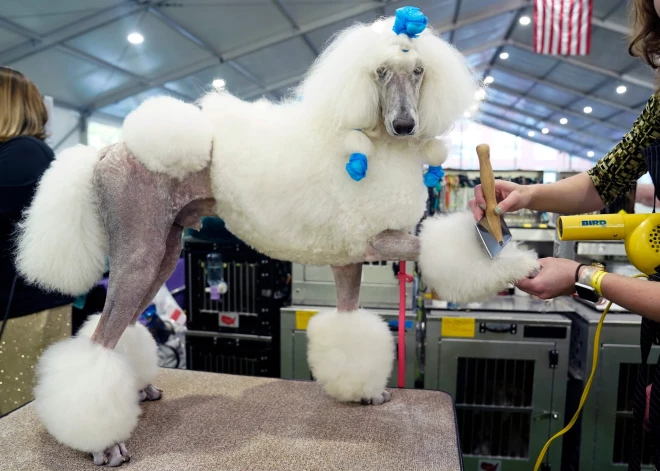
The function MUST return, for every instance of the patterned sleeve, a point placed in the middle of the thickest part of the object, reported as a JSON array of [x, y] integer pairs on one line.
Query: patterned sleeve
[[619, 170]]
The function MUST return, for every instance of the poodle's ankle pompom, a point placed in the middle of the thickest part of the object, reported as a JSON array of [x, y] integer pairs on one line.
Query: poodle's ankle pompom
[[358, 142], [142, 351], [455, 264], [169, 136], [137, 345], [434, 152], [350, 354], [86, 395]]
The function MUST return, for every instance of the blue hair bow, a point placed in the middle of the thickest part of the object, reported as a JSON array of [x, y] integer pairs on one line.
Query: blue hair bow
[[409, 20], [433, 175], [357, 166]]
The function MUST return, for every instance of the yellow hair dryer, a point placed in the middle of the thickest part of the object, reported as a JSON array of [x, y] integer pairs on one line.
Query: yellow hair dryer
[[640, 232]]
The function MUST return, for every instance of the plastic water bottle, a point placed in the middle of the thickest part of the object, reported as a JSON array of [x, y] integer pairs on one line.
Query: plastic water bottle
[[214, 275]]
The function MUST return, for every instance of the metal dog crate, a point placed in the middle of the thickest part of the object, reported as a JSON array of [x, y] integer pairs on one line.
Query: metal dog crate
[[315, 286], [293, 342], [231, 354], [238, 334], [505, 362], [257, 287], [603, 431]]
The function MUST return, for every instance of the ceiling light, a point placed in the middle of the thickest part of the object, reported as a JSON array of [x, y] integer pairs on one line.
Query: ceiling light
[[480, 94], [545, 130], [563, 121], [218, 84], [621, 89], [135, 38], [587, 109], [590, 153], [531, 134], [504, 56], [524, 20], [488, 80]]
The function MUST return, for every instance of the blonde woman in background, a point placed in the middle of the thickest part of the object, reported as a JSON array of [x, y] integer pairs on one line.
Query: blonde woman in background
[[30, 319]]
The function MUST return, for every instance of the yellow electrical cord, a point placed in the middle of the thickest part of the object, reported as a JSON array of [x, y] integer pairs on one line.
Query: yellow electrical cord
[[585, 393]]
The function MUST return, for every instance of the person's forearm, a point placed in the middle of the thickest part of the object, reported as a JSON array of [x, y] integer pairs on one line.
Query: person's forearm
[[637, 295], [574, 195]]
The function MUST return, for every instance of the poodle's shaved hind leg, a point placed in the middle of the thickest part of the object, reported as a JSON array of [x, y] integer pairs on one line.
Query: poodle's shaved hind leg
[[393, 246], [167, 266]]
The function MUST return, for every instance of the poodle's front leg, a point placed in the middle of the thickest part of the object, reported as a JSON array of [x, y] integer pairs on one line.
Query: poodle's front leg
[[393, 246], [347, 282], [351, 351]]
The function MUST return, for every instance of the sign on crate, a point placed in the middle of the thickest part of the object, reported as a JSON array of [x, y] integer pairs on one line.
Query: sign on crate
[[229, 319]]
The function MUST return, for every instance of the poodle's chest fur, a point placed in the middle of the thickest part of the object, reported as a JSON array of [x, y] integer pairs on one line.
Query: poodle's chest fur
[[285, 191]]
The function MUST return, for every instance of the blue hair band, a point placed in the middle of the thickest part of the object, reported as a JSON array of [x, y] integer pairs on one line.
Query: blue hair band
[[410, 21], [357, 166], [433, 176]]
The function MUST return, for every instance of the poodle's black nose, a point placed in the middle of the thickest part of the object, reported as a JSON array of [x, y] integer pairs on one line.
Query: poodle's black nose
[[403, 126]]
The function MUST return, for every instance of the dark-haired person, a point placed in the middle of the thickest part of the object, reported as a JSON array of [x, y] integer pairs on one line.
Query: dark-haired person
[[612, 176], [35, 319]]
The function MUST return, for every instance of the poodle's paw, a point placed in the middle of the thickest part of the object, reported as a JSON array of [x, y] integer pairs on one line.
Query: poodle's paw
[[456, 266], [85, 395], [113, 456], [377, 400], [150, 393], [350, 354]]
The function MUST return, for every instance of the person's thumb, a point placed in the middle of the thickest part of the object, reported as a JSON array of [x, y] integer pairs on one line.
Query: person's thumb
[[510, 203]]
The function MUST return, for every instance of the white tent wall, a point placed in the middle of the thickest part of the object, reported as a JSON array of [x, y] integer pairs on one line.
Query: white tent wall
[[64, 128]]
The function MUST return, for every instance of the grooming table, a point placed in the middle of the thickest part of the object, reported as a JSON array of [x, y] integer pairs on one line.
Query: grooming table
[[220, 422]]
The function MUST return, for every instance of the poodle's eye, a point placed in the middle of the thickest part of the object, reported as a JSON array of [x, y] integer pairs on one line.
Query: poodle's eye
[[381, 72], [418, 71]]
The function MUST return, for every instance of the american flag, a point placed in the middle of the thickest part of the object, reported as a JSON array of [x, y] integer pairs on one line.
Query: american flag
[[562, 27]]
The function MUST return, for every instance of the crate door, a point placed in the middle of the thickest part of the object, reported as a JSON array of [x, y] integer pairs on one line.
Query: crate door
[[503, 392], [615, 386]]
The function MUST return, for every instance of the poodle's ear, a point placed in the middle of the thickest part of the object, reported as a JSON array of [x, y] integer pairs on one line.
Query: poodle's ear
[[340, 88], [448, 87]]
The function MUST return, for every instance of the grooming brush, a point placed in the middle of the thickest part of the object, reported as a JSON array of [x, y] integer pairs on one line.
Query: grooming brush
[[492, 229]]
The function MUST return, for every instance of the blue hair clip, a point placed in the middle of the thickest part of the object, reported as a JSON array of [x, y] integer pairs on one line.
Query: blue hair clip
[[433, 176], [357, 166], [410, 21]]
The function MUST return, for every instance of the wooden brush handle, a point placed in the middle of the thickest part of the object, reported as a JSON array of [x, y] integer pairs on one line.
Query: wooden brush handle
[[488, 187]]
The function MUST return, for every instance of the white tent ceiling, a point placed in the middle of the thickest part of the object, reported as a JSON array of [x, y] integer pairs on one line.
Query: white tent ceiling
[[77, 52]]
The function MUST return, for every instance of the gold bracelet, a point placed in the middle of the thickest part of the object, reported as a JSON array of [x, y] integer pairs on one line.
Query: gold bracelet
[[596, 280]]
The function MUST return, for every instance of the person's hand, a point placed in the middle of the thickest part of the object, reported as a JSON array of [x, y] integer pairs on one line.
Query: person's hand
[[556, 278], [510, 196], [645, 194]]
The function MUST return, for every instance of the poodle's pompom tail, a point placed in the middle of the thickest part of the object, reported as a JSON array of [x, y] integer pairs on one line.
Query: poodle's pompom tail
[[454, 262], [169, 136], [61, 242], [86, 395], [350, 354], [136, 344]]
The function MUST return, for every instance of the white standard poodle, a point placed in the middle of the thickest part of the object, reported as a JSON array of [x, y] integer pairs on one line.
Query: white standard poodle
[[332, 176]]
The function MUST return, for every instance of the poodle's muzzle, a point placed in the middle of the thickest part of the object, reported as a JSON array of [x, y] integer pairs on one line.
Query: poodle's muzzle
[[400, 104]]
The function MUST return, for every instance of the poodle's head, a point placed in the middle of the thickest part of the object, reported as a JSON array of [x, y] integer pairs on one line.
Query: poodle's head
[[370, 77]]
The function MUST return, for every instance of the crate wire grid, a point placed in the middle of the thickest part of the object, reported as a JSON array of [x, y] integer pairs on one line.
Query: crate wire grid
[[241, 295], [494, 406], [625, 422]]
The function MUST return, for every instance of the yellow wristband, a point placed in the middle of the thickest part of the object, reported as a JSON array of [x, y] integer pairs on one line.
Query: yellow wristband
[[596, 280]]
